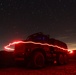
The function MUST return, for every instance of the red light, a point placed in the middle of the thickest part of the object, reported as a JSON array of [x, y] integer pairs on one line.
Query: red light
[[7, 47], [70, 51]]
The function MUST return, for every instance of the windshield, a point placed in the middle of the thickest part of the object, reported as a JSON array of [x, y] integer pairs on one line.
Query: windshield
[[37, 37]]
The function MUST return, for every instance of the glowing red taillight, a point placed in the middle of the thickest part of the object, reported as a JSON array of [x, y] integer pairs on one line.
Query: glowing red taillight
[[70, 51], [7, 47]]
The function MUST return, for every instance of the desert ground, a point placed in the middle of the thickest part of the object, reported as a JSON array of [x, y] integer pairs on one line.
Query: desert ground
[[69, 69]]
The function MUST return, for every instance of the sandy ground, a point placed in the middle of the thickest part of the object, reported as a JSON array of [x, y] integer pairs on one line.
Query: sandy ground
[[69, 69]]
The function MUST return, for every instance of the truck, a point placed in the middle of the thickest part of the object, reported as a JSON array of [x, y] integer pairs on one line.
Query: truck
[[38, 49]]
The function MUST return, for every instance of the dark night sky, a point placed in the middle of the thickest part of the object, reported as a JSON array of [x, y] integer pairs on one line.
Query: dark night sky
[[20, 18]]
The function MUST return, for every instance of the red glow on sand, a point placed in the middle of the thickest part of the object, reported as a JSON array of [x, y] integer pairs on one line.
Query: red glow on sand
[[7, 47]]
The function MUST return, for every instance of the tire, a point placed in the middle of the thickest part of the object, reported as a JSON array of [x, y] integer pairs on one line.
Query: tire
[[60, 59], [65, 59], [38, 60]]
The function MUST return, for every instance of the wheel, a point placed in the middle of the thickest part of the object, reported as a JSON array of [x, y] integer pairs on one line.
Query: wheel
[[60, 59], [65, 59], [38, 60]]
